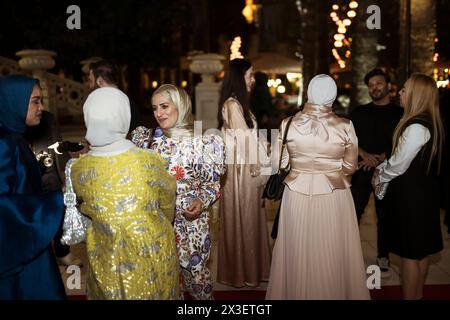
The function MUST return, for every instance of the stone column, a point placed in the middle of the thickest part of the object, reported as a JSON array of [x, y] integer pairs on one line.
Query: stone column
[[207, 92], [38, 62]]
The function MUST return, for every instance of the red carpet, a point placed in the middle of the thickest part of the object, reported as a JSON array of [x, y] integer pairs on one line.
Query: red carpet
[[431, 292]]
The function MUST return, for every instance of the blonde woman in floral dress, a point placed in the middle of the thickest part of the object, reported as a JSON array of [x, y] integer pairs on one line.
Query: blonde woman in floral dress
[[197, 163]]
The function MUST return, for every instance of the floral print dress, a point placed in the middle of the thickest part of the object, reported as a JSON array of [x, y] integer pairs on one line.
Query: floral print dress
[[197, 164]]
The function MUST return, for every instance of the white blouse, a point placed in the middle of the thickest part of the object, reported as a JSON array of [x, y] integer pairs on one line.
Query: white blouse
[[413, 138]]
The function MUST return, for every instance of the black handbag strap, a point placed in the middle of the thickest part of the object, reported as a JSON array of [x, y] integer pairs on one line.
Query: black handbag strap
[[284, 142]]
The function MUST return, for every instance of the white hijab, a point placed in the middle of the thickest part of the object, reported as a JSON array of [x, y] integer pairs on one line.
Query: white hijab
[[180, 98], [107, 117], [322, 90]]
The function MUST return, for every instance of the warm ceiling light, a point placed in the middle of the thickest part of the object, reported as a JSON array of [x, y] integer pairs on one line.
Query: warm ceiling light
[[281, 89], [234, 48], [436, 57], [351, 14], [353, 5], [249, 11]]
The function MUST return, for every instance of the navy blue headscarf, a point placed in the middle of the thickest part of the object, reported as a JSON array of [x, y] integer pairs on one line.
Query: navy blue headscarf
[[15, 93]]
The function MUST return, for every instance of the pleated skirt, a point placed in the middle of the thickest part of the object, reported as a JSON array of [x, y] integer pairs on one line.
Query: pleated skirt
[[317, 254]]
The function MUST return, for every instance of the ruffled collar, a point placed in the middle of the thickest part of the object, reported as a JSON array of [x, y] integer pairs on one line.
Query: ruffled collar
[[313, 120]]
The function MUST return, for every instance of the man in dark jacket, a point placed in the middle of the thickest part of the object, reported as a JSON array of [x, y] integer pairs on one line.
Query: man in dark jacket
[[374, 124]]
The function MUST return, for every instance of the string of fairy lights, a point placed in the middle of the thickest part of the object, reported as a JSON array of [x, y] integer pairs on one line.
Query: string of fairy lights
[[235, 49], [441, 73], [250, 12], [342, 15]]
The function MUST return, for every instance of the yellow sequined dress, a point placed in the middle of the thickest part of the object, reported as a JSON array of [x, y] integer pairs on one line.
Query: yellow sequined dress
[[130, 245]]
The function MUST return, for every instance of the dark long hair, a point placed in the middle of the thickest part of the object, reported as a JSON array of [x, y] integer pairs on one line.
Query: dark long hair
[[234, 86]]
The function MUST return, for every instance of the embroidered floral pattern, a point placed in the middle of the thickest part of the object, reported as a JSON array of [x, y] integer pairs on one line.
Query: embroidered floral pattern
[[177, 172], [197, 164]]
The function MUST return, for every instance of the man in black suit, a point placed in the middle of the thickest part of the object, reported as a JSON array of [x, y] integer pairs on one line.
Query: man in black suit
[[374, 124]]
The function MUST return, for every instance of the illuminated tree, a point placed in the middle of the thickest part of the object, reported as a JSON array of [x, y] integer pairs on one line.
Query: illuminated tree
[[364, 53]]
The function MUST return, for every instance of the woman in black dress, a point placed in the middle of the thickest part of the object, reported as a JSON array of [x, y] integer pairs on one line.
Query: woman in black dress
[[412, 174]]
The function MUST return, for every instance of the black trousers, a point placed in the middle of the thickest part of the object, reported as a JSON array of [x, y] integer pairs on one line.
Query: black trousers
[[361, 190]]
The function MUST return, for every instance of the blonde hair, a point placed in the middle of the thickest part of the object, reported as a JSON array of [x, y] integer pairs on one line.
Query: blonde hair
[[422, 101], [180, 98]]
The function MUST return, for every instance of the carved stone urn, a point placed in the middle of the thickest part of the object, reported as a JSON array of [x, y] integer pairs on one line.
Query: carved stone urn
[[35, 60], [207, 65]]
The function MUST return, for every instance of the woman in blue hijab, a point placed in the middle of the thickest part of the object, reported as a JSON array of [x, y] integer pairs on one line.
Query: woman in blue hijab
[[28, 219]]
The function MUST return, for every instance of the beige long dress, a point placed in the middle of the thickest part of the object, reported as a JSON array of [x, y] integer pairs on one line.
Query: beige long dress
[[244, 250], [317, 254]]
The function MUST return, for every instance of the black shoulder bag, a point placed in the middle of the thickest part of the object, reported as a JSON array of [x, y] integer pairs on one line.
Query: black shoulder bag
[[275, 186]]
